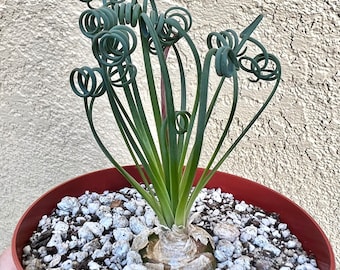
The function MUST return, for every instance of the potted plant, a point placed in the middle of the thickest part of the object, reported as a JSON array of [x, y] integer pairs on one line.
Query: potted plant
[[166, 148]]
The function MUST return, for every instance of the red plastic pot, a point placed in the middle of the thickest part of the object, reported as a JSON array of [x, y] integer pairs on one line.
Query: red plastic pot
[[300, 223]]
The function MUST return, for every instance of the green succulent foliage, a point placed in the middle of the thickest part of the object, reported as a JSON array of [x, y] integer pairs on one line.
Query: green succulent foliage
[[168, 159]]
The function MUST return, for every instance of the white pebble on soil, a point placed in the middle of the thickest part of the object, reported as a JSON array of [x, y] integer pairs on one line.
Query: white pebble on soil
[[123, 234], [68, 205], [226, 231]]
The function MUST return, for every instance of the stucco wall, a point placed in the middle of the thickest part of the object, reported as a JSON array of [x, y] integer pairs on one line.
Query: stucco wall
[[294, 148]]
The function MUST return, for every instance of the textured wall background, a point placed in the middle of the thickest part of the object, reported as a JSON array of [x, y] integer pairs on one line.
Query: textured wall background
[[294, 148]]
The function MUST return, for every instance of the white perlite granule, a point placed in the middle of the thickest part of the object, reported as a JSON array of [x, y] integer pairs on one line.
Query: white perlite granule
[[95, 231]]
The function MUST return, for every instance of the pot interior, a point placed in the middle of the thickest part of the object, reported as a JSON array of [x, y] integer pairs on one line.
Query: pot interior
[[299, 221]]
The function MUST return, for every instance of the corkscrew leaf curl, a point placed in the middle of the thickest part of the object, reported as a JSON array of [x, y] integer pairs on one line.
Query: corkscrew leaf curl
[[94, 21], [228, 47], [167, 26], [122, 75], [84, 82], [227, 38], [226, 42], [182, 121], [264, 66], [182, 16], [226, 63], [127, 13], [112, 48]]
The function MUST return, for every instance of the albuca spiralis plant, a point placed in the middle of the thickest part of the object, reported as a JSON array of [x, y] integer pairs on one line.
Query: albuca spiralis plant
[[169, 157]]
